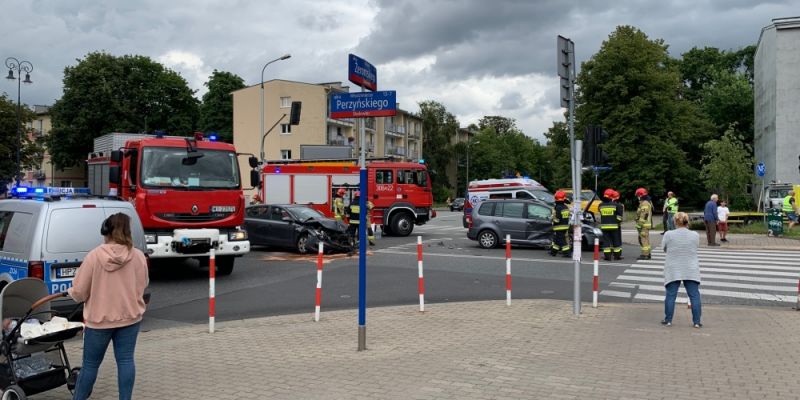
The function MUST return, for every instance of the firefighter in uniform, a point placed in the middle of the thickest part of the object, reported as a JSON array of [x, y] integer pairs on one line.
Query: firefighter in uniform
[[338, 205], [370, 231], [354, 217], [644, 221], [560, 220], [610, 224]]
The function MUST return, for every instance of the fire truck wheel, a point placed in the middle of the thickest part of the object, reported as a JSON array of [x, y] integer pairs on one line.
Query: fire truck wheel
[[487, 239], [302, 244], [224, 265], [402, 224]]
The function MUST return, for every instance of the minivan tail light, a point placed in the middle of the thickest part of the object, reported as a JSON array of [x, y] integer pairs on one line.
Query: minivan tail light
[[36, 269]]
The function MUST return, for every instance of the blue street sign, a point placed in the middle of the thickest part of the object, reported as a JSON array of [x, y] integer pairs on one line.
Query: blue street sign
[[761, 169], [364, 104], [362, 73]]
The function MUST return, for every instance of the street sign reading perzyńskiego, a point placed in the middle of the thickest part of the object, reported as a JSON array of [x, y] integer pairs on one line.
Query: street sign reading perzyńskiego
[[761, 169], [362, 73], [365, 104]]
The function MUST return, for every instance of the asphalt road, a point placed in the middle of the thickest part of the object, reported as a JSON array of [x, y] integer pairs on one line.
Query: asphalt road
[[275, 282]]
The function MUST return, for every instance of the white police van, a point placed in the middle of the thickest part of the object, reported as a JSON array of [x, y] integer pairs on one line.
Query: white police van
[[46, 232]]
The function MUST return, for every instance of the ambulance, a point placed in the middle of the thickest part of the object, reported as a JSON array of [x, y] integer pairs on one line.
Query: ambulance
[[510, 188]]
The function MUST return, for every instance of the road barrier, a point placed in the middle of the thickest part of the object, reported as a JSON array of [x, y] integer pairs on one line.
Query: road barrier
[[421, 278], [595, 278], [318, 300], [508, 270], [212, 266]]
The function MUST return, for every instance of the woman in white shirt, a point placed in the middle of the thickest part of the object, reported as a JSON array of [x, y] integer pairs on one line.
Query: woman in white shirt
[[722, 228]]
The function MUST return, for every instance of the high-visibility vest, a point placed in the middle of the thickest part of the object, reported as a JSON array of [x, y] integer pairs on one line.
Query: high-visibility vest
[[787, 204], [560, 217], [609, 215], [338, 208], [672, 205], [355, 210], [644, 215]]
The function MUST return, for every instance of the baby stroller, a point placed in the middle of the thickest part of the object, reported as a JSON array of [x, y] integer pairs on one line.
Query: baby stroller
[[32, 365]]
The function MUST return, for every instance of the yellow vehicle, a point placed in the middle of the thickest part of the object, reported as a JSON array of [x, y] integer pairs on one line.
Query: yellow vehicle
[[587, 195]]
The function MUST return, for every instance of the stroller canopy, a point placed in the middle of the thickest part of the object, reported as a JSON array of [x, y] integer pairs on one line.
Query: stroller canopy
[[18, 297]]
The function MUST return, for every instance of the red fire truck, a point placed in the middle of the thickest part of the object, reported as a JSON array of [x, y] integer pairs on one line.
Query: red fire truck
[[186, 190], [400, 191]]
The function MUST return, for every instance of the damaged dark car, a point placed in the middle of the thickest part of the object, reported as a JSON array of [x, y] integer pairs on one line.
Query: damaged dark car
[[295, 227]]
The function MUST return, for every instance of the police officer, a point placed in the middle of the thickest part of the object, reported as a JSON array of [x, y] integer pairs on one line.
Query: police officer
[[560, 220], [338, 205], [610, 224], [644, 221]]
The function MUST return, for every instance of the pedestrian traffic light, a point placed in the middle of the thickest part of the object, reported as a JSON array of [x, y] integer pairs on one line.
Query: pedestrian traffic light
[[593, 154], [588, 146], [600, 157]]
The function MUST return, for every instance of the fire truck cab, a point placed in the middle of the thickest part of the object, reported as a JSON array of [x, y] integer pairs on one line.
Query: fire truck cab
[[400, 191]]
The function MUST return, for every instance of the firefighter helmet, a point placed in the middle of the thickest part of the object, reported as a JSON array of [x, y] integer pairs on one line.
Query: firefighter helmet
[[616, 195], [609, 194], [560, 195], [641, 192], [357, 193], [341, 192]]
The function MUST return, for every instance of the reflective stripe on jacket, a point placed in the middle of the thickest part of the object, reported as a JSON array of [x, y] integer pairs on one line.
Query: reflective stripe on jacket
[[644, 214], [610, 215], [560, 217], [672, 205]]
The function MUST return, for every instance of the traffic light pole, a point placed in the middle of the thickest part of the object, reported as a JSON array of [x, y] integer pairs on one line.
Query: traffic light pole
[[576, 190]]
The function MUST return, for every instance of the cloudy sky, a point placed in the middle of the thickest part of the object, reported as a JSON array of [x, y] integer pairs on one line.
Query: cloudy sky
[[476, 57]]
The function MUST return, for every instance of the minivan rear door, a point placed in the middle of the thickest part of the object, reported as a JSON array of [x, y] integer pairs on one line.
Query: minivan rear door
[[511, 219]]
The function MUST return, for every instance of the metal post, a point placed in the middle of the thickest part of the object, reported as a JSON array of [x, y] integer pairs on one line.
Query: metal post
[[466, 192], [362, 242], [576, 190], [20, 66], [261, 130]]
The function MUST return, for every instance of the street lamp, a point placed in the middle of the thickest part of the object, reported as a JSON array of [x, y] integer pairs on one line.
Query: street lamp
[[469, 145], [14, 64], [283, 57]]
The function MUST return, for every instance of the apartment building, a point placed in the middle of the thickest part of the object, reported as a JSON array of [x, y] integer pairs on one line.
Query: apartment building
[[399, 137], [46, 174]]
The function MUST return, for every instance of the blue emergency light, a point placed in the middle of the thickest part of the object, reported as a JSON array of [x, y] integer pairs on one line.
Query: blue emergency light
[[212, 137], [42, 192]]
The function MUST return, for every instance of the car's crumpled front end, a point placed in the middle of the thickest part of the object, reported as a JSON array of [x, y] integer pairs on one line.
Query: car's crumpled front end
[[332, 234]]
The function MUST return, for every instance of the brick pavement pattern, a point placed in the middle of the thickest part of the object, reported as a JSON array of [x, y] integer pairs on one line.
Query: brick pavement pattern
[[476, 350]]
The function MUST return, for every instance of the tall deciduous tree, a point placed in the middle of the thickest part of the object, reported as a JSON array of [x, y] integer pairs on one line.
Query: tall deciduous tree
[[30, 153], [439, 126], [105, 93], [632, 88], [501, 125], [555, 170], [728, 167], [216, 111]]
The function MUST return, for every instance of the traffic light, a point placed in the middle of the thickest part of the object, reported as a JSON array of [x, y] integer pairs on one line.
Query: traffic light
[[593, 154]]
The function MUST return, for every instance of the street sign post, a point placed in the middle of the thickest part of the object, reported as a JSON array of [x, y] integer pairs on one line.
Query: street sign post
[[364, 104], [362, 73]]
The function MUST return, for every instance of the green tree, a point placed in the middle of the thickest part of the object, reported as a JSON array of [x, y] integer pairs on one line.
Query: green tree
[[31, 151], [555, 170], [439, 126], [728, 168], [500, 125], [632, 88], [216, 111], [105, 93]]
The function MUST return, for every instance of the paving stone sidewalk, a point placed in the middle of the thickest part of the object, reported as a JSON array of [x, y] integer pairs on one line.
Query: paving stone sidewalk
[[477, 350]]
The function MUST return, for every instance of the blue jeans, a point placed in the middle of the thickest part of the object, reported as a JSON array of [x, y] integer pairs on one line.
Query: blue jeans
[[95, 344], [692, 289], [670, 221]]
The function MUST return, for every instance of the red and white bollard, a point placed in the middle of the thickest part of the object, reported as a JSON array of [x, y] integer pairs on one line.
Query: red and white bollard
[[318, 300], [797, 305], [421, 278], [212, 273], [508, 270], [595, 277]]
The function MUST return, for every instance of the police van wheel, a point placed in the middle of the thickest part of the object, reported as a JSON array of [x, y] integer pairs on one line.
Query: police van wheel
[[402, 224]]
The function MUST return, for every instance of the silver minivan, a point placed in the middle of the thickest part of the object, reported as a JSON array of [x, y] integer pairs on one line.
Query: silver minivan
[[47, 237], [527, 222]]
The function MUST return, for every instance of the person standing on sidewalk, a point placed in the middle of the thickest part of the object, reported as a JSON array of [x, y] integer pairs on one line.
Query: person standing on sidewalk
[[711, 218], [644, 221], [722, 226], [681, 265], [790, 209], [672, 209], [111, 283]]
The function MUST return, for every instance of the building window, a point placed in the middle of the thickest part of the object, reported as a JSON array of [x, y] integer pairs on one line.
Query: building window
[[286, 154], [286, 129], [66, 183], [286, 102]]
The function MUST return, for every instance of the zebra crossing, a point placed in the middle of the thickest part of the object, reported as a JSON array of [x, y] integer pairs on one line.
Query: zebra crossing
[[728, 277]]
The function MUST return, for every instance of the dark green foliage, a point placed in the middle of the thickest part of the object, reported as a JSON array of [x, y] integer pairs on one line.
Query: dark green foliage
[[439, 126], [105, 93], [216, 111], [31, 150]]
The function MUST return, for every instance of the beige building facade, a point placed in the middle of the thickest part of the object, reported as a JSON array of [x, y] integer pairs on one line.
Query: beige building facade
[[399, 137], [45, 174]]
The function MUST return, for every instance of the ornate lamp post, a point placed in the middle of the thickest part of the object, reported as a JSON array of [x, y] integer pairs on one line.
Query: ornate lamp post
[[20, 66]]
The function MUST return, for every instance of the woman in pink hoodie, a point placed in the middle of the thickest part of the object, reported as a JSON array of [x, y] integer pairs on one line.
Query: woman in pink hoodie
[[111, 283]]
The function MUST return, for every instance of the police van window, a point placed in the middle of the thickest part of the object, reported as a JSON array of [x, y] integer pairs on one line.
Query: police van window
[[513, 210], [524, 195], [486, 209], [5, 224], [61, 236], [384, 176]]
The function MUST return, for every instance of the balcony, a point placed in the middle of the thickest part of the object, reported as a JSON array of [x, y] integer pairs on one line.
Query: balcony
[[337, 142], [348, 122], [395, 130], [395, 151], [415, 134]]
